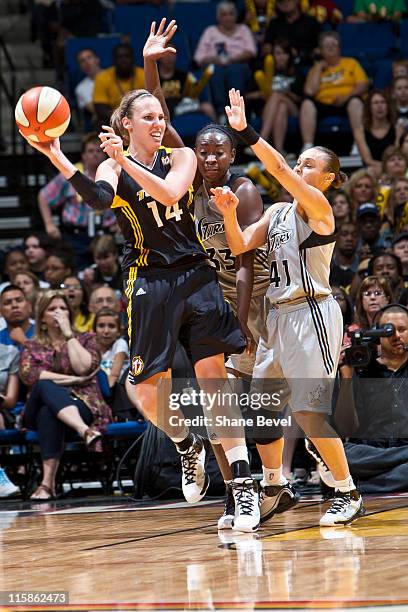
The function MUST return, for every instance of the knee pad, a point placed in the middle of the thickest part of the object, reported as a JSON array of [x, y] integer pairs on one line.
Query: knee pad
[[265, 441]]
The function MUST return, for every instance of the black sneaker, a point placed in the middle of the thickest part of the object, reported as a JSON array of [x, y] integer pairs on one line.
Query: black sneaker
[[345, 508], [195, 481], [275, 499], [225, 521]]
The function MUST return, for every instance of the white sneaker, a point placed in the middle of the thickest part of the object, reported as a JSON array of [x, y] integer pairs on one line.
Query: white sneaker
[[247, 515], [275, 499], [195, 481], [7, 488], [225, 521], [344, 509], [324, 472]]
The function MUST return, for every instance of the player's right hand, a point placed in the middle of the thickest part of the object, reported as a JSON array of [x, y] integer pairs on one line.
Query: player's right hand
[[236, 111]]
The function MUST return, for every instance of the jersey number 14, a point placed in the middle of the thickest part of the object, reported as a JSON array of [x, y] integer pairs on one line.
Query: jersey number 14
[[274, 276], [172, 212]]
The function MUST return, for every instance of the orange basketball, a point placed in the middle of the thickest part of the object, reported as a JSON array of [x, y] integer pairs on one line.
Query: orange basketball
[[42, 114]]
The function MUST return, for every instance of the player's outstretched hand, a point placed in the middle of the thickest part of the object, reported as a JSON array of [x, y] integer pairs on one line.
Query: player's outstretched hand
[[236, 110], [225, 199], [51, 149], [156, 44], [111, 144]]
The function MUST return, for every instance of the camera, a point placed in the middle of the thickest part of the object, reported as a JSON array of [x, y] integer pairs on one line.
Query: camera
[[364, 343]]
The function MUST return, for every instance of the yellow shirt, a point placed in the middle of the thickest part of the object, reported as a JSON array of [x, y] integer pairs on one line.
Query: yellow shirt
[[84, 324], [109, 89], [339, 80]]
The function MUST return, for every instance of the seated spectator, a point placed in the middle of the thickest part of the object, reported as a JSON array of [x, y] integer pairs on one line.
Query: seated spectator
[[399, 68], [89, 63], [301, 30], [114, 349], [175, 86], [106, 269], [396, 210], [345, 260], [112, 83], [377, 10], [9, 385], [369, 226], [403, 143], [361, 187], [59, 265], [378, 451], [389, 266], [394, 165], [400, 249], [399, 92], [229, 46], [377, 131], [285, 94], [77, 218], [78, 301], [16, 310], [374, 293], [30, 285], [36, 246], [341, 206], [60, 367], [325, 12], [334, 86], [103, 297], [344, 302], [15, 261]]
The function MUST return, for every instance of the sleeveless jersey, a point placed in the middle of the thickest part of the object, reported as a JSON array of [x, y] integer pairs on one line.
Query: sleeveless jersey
[[210, 227], [299, 259], [156, 236]]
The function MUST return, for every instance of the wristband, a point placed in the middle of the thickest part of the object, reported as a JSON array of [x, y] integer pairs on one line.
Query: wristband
[[248, 135]]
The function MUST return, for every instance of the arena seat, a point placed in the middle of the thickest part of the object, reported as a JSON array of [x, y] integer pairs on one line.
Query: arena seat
[[134, 21], [192, 19], [368, 41], [382, 73], [345, 6], [404, 38], [189, 124]]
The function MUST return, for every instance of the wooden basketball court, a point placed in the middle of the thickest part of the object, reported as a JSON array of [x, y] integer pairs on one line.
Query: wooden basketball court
[[115, 554]]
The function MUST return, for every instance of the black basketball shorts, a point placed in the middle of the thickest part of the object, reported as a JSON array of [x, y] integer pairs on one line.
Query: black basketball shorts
[[178, 305]]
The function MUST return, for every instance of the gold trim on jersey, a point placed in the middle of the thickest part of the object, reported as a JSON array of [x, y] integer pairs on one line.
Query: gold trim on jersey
[[129, 293], [129, 213]]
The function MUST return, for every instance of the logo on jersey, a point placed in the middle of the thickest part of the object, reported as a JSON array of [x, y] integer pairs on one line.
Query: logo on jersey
[[276, 238], [165, 161], [141, 291], [137, 365], [208, 230], [318, 396]]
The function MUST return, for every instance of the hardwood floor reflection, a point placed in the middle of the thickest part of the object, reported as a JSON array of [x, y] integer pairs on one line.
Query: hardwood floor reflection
[[173, 557]]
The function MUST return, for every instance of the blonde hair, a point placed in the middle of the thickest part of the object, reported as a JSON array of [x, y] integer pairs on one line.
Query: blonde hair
[[354, 178], [125, 109], [44, 300]]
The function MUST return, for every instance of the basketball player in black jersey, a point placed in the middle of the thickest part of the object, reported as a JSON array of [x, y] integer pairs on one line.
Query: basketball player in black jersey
[[173, 293]]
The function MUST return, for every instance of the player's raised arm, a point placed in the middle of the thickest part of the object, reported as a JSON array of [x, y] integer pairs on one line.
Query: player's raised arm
[[309, 197], [239, 241]]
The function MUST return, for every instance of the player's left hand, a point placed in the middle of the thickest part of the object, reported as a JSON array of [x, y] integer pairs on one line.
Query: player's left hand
[[111, 144], [236, 111], [225, 200], [156, 44]]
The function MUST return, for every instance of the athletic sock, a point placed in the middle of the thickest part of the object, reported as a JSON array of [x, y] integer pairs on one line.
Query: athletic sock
[[273, 476], [345, 485]]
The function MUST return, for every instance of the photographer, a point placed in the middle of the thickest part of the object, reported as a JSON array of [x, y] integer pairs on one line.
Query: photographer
[[378, 452]]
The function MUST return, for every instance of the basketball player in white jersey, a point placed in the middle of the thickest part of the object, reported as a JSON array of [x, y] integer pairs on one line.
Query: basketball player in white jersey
[[304, 323]]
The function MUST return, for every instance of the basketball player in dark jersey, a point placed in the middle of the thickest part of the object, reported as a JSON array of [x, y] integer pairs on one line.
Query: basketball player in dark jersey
[[173, 293], [304, 322]]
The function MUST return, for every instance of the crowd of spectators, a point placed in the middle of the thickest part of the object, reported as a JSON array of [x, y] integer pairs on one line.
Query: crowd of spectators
[[62, 307]]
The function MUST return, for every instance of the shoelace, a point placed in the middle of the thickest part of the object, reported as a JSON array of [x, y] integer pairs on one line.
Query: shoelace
[[229, 506], [244, 497], [189, 462], [339, 503]]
